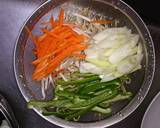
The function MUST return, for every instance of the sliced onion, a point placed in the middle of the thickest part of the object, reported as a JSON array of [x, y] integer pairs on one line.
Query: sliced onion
[[90, 68], [110, 32], [122, 53], [107, 77]]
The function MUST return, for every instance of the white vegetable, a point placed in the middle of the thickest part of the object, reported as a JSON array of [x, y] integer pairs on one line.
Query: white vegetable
[[80, 16], [81, 31], [122, 53], [67, 63], [92, 52], [100, 63], [113, 53], [139, 51], [43, 90], [107, 77], [113, 41], [139, 58], [86, 67], [127, 65], [108, 52], [139, 55], [51, 81], [90, 68], [109, 32]]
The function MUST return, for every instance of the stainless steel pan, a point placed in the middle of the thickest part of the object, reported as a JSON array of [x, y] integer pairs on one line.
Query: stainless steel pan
[[114, 9]]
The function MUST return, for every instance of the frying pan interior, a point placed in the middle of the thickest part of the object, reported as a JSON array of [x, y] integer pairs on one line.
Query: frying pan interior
[[112, 9]]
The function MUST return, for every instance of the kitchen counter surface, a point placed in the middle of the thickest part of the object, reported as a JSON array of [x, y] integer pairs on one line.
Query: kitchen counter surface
[[13, 14]]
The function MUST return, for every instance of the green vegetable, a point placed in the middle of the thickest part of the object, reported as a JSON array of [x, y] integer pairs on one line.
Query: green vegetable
[[119, 97], [70, 95], [51, 103], [93, 101], [78, 82], [77, 114], [72, 101], [59, 114], [88, 105], [84, 111], [102, 110], [78, 74], [97, 86]]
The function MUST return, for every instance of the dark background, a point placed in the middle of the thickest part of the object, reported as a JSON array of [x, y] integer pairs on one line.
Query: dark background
[[13, 13]]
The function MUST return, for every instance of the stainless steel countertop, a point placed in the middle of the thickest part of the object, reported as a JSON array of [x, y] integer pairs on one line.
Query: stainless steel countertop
[[13, 13]]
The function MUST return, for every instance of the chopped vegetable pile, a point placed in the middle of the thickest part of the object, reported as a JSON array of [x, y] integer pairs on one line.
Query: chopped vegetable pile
[[87, 62]]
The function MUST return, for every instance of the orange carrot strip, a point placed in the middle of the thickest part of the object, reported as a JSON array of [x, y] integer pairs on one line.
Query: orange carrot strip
[[55, 45], [49, 55], [61, 17], [46, 45], [101, 21], [39, 72], [57, 61], [49, 33], [41, 38], [52, 22], [53, 64], [38, 76]]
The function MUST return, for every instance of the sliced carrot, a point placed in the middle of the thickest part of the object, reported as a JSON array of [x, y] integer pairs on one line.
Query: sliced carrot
[[57, 61], [49, 55], [50, 33], [55, 45], [39, 71], [61, 17], [101, 21], [52, 22], [41, 38], [45, 45]]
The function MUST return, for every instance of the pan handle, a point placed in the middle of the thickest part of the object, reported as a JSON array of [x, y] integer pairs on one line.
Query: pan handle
[[6, 110]]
